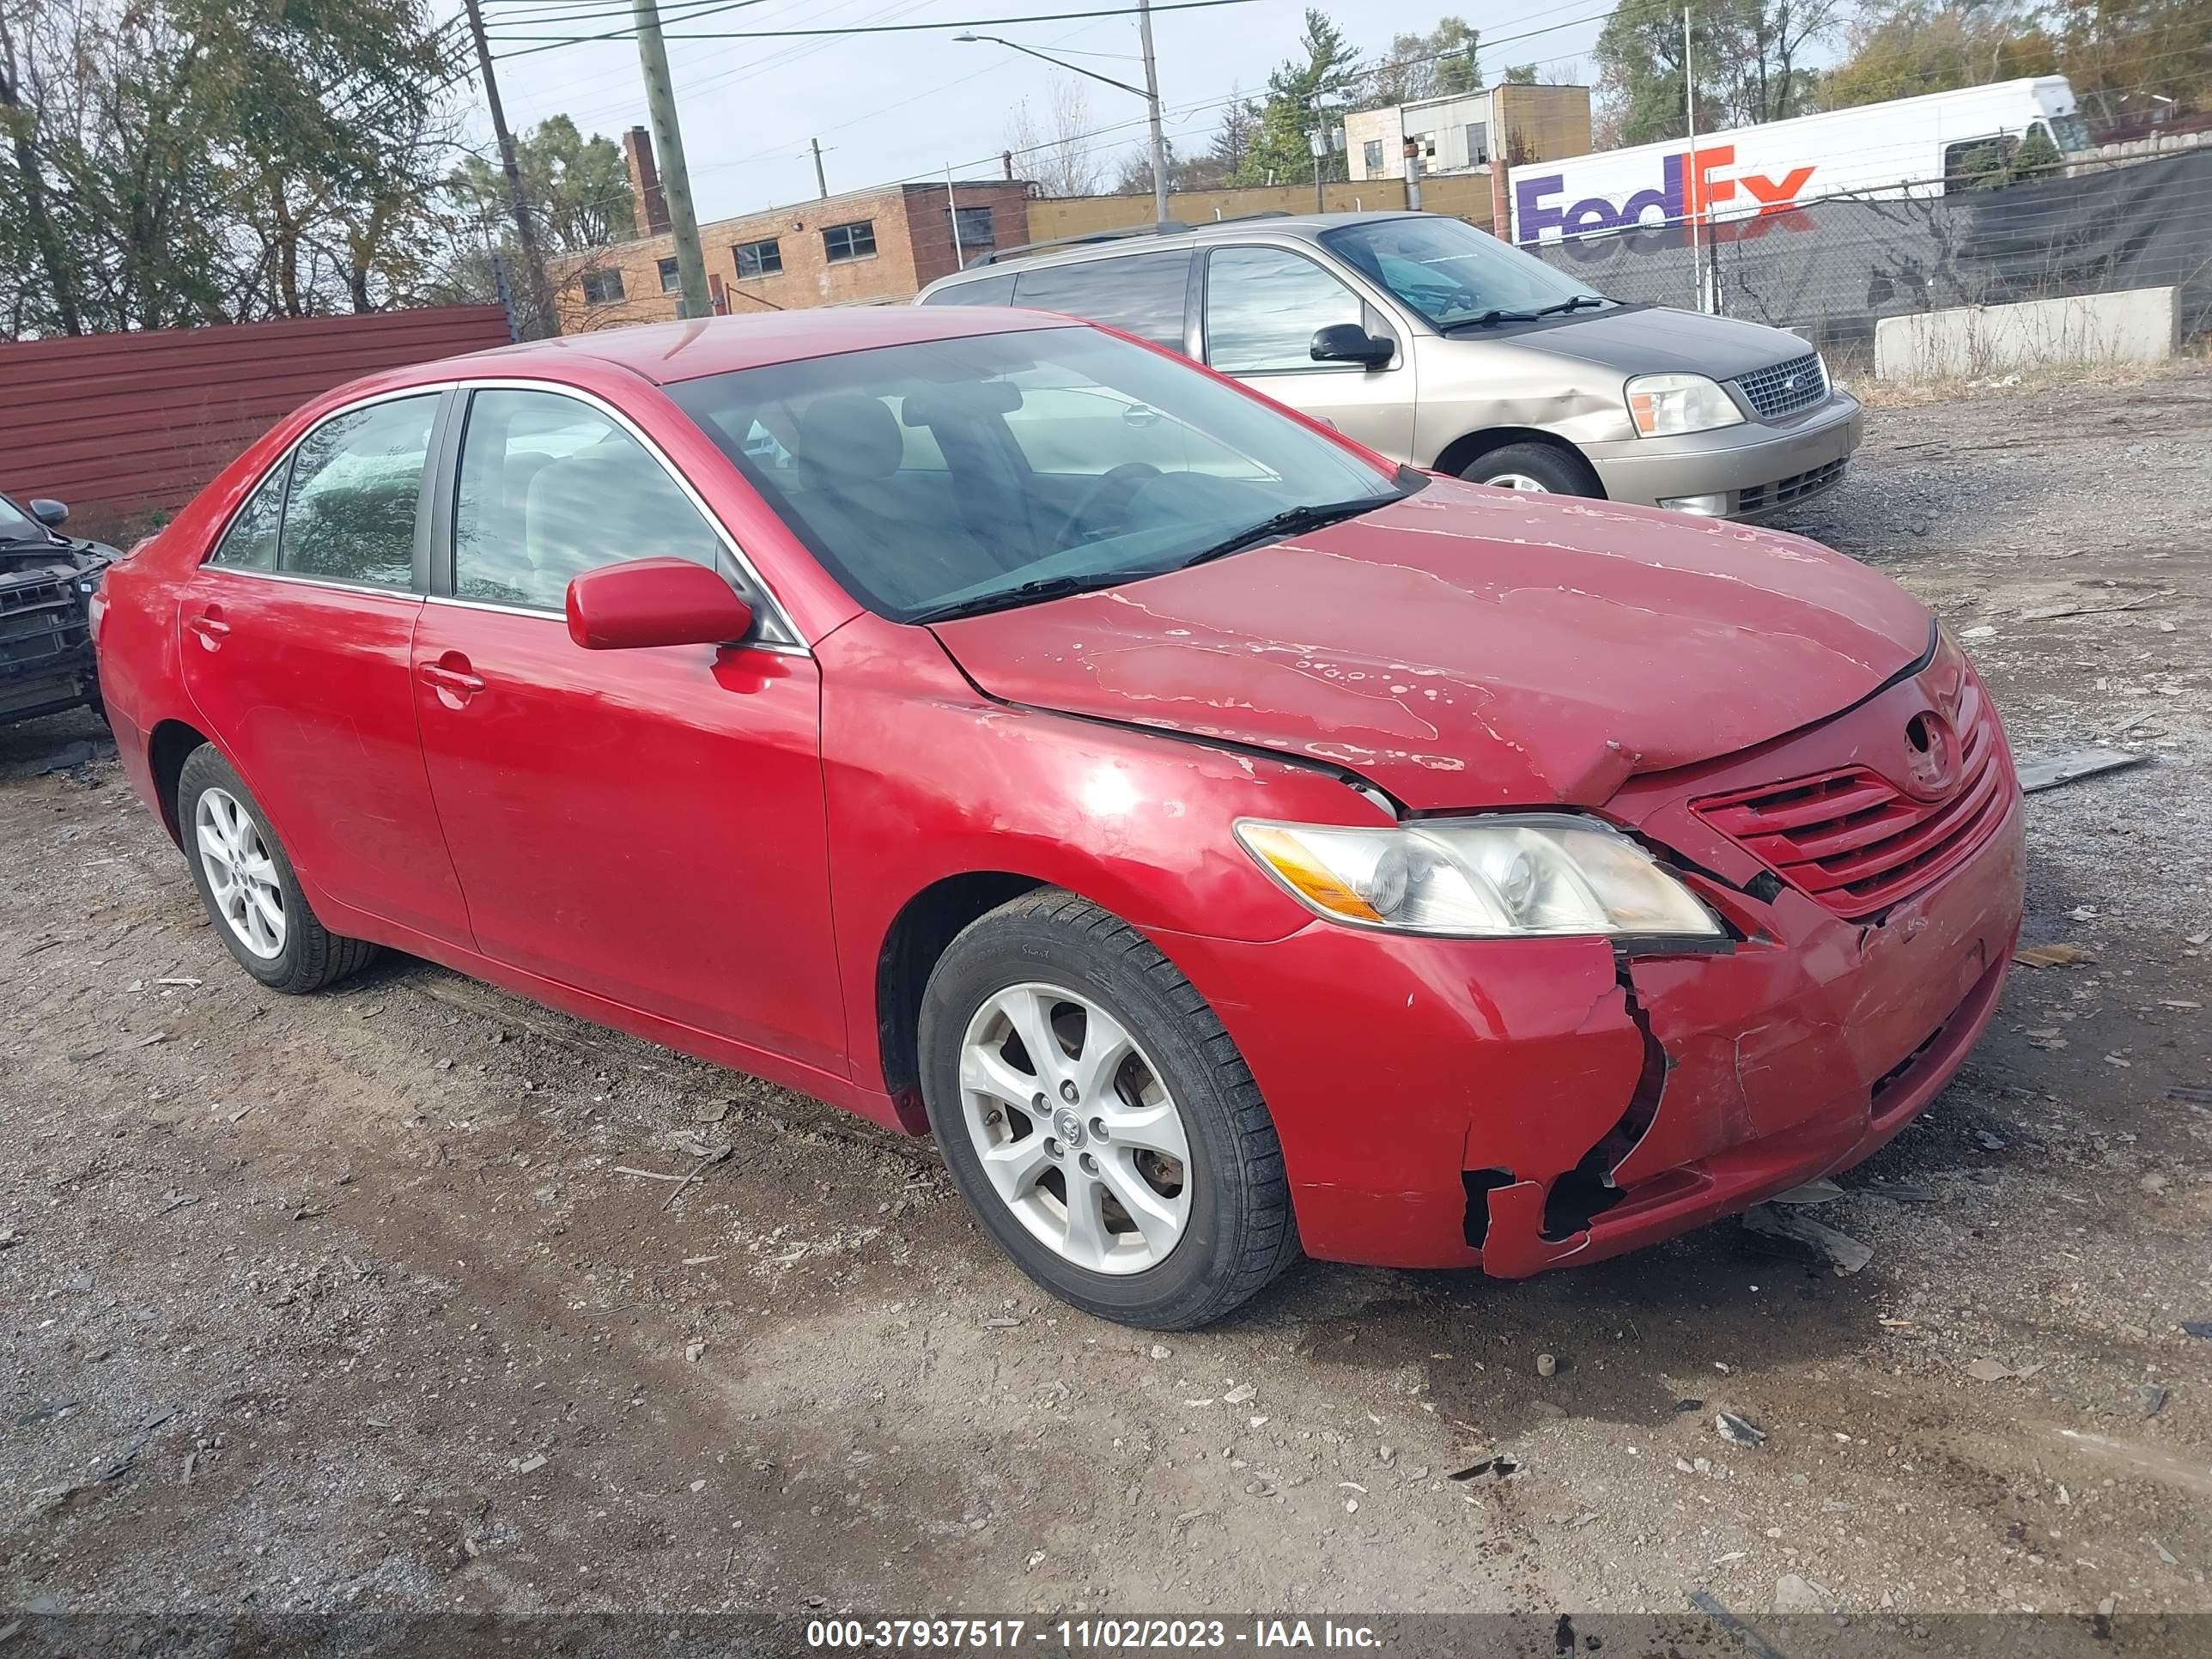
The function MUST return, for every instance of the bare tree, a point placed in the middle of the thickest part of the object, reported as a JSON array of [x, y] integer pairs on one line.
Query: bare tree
[[1060, 154]]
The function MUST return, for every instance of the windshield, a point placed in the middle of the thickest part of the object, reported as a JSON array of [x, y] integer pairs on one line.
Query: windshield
[[1449, 271], [951, 474], [17, 525]]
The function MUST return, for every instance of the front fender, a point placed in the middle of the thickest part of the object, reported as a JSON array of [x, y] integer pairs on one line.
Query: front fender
[[925, 778]]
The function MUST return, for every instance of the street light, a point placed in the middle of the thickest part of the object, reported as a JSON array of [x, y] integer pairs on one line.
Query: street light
[[1150, 92]]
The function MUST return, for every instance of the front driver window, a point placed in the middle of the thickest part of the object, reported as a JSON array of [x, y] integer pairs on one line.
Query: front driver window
[[356, 480], [1262, 307], [550, 487]]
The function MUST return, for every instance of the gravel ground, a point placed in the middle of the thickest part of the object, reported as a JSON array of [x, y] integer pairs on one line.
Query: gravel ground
[[353, 1300]]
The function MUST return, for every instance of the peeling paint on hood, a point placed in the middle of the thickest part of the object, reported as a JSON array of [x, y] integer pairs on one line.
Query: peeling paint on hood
[[1469, 647]]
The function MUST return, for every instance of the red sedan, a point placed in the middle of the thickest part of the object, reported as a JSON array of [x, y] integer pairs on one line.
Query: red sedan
[[1225, 843]]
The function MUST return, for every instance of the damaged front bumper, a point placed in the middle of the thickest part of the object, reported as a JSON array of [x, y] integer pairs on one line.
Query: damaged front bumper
[[1523, 1104]]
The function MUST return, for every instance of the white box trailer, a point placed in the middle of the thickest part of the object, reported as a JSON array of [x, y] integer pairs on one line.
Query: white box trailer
[[1905, 147]]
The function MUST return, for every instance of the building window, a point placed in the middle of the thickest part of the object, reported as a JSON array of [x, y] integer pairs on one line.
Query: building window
[[758, 258], [1372, 157], [974, 226], [670, 281], [602, 288], [1478, 143], [851, 241]]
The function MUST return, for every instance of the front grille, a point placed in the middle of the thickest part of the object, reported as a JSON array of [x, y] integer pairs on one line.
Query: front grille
[[1855, 842], [1760, 498], [1786, 387], [37, 621]]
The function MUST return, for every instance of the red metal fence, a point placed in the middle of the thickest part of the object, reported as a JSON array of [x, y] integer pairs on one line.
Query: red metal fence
[[124, 427]]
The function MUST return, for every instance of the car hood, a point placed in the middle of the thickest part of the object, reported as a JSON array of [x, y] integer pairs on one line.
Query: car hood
[[1468, 646], [1655, 339]]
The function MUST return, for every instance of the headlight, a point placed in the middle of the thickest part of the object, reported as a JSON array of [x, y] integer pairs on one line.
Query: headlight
[[1668, 405], [1484, 878]]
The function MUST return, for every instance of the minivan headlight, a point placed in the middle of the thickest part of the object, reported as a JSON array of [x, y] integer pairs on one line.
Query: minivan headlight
[[1496, 876], [1668, 406]]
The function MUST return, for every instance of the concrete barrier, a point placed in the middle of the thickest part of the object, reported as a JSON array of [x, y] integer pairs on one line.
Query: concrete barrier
[[2137, 326]]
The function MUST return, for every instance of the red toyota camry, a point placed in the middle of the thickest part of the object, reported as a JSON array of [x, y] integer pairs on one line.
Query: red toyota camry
[[1225, 841]]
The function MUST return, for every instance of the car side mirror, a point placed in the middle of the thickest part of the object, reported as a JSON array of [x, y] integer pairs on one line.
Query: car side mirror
[[1348, 342], [647, 602], [49, 513]]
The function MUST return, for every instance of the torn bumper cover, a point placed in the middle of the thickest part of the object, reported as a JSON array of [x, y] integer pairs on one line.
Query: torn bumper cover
[[1525, 1103]]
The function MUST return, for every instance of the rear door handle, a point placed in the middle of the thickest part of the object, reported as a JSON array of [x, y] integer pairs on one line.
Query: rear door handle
[[210, 626]]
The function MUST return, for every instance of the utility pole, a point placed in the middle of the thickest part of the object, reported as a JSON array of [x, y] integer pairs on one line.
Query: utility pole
[[1152, 108], [1690, 177], [821, 178], [541, 291], [675, 178]]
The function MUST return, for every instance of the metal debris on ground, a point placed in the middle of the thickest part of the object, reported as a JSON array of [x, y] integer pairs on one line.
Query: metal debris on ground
[[1738, 1431], [2049, 771], [2198, 1327], [1995, 1370], [1819, 1190], [1841, 1251], [1547, 1365], [2050, 956]]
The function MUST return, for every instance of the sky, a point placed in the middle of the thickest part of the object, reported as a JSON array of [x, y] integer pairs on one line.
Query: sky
[[904, 105]]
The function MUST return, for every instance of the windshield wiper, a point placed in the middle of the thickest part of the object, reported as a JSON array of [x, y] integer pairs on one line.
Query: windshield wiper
[[1492, 318], [1290, 522], [1575, 304], [1044, 587]]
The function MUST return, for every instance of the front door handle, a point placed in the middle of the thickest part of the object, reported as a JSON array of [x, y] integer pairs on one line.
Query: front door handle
[[451, 678]]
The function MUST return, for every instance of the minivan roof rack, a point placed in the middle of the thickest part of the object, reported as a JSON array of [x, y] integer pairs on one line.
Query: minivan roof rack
[[1120, 232]]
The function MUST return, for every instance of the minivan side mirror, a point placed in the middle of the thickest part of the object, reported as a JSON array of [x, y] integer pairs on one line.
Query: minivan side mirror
[[1348, 342], [648, 602], [49, 513]]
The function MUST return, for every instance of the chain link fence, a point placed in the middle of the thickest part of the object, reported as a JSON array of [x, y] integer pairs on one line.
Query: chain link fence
[[1829, 269]]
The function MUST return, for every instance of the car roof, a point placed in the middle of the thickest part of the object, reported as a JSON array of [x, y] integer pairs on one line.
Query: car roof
[[1152, 239], [666, 353]]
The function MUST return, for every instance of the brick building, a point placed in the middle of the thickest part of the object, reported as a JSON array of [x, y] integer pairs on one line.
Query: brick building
[[869, 246]]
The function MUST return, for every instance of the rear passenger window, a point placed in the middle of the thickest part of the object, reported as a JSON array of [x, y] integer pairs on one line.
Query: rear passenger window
[[249, 543], [1141, 292], [550, 487], [1262, 307], [356, 479]]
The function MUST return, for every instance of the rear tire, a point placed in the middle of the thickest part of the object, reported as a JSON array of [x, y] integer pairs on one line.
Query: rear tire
[[244, 880], [1141, 1096], [1539, 468]]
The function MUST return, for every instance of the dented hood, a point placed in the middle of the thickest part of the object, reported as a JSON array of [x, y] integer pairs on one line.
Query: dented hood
[[1471, 646]]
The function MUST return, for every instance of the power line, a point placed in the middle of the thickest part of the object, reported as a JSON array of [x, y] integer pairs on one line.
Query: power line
[[879, 28]]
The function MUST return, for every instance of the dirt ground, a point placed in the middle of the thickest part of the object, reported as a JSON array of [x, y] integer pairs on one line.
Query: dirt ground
[[356, 1301]]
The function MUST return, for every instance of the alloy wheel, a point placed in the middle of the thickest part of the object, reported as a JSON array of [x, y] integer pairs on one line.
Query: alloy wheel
[[1077, 1132], [1518, 481], [241, 876]]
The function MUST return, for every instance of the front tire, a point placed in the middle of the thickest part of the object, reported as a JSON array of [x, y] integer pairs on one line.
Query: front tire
[[246, 881], [1539, 468], [1098, 1120]]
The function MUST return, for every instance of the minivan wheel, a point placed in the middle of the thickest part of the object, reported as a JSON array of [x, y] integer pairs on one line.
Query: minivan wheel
[[1097, 1118], [1537, 467], [246, 881]]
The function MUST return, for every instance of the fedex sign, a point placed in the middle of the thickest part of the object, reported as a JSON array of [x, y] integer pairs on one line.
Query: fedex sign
[[1691, 186]]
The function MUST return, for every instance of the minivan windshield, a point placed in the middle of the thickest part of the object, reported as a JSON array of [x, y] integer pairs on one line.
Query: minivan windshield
[[954, 475], [1453, 274]]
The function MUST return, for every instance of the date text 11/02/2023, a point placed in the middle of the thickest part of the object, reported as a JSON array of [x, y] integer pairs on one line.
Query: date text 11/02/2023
[[1050, 1638]]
